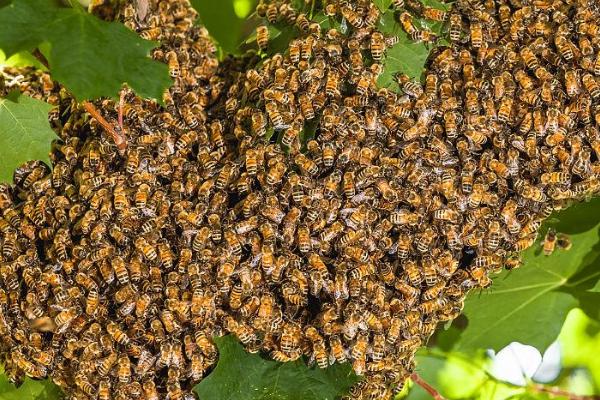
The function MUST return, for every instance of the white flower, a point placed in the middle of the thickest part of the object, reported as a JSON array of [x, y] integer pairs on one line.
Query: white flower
[[518, 363]]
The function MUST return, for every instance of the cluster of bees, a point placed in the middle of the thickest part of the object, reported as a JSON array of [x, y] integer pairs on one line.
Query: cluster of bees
[[101, 288], [292, 202]]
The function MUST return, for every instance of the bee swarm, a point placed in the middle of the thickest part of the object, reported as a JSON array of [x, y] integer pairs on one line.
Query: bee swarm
[[117, 271]]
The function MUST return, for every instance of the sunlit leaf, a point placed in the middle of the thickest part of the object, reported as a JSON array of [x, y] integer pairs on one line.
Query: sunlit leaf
[[243, 8], [452, 374], [21, 59], [28, 390], [580, 340]]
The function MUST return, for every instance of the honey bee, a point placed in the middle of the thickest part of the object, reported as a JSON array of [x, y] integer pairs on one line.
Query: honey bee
[[435, 14], [275, 173], [294, 49], [554, 178], [424, 240], [358, 352], [480, 277], [106, 365], [332, 84], [306, 107], [445, 214], [173, 62], [262, 37], [524, 243], [505, 110], [146, 249], [550, 241], [117, 334], [306, 165], [565, 48], [591, 85], [290, 136], [65, 318], [563, 241], [406, 20], [476, 34], [424, 35], [320, 354], [529, 59], [377, 46], [455, 29], [104, 390], [304, 241], [290, 338]]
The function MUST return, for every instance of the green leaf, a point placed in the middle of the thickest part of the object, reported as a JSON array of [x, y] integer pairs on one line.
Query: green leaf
[[29, 390], [269, 133], [91, 57], [25, 133], [529, 305], [280, 42], [383, 5], [437, 4], [406, 56], [309, 131], [25, 24], [224, 25], [243, 376], [596, 288], [124, 56]]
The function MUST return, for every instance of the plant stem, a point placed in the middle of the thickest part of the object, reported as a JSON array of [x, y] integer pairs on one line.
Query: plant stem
[[428, 388], [555, 392], [40, 57], [117, 136]]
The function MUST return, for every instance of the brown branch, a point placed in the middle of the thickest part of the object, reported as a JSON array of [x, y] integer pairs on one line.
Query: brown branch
[[40, 57], [116, 134], [428, 388], [555, 392]]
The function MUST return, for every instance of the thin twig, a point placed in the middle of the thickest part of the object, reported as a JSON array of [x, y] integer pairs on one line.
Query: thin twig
[[551, 390], [555, 392], [40, 57], [115, 133], [428, 388]]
